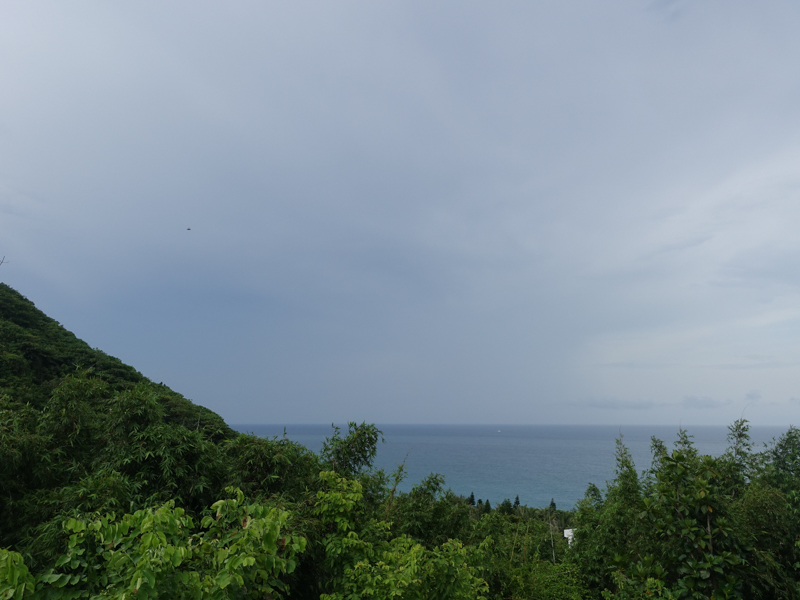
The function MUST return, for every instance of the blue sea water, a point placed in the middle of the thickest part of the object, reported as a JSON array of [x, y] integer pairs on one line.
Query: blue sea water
[[536, 462]]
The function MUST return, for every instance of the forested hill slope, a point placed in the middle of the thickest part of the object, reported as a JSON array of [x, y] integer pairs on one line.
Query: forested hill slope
[[36, 353]]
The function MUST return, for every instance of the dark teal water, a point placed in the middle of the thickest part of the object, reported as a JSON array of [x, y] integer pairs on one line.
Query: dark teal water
[[536, 462]]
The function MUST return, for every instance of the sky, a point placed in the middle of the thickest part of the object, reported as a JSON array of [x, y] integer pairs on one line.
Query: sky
[[563, 211]]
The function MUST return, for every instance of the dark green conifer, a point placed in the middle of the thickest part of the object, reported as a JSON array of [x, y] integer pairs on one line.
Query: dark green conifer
[[505, 507]]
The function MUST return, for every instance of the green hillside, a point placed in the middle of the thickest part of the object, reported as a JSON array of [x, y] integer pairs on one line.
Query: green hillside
[[36, 353]]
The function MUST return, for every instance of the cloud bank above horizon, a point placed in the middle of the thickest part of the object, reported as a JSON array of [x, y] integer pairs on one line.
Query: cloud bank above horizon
[[567, 212]]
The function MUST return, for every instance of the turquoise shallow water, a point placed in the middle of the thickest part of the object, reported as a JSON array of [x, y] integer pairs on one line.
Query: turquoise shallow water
[[536, 462]]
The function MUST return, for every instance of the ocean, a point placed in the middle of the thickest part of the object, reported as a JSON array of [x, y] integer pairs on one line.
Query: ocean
[[536, 462]]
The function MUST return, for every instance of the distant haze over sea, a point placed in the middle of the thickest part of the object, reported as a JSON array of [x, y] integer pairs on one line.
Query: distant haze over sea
[[536, 462]]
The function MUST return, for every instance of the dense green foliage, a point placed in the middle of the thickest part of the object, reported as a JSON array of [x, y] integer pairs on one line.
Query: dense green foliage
[[112, 486], [696, 526]]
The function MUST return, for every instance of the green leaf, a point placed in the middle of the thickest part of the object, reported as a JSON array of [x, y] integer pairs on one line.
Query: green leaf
[[150, 578], [62, 560], [223, 580]]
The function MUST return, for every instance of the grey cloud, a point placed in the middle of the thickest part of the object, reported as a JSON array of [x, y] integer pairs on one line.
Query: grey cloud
[[752, 396], [678, 246], [669, 8], [767, 364], [17, 204], [438, 211], [696, 402], [632, 364], [625, 405]]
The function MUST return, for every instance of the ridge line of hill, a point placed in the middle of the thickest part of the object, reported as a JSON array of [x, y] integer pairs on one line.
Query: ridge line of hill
[[37, 353]]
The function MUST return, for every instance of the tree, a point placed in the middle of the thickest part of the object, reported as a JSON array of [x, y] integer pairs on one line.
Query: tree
[[471, 499], [354, 452], [516, 501], [699, 555], [505, 507], [364, 560], [608, 531]]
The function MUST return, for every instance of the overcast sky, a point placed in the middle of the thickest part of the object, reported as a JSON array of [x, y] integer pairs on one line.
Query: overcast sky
[[416, 212]]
